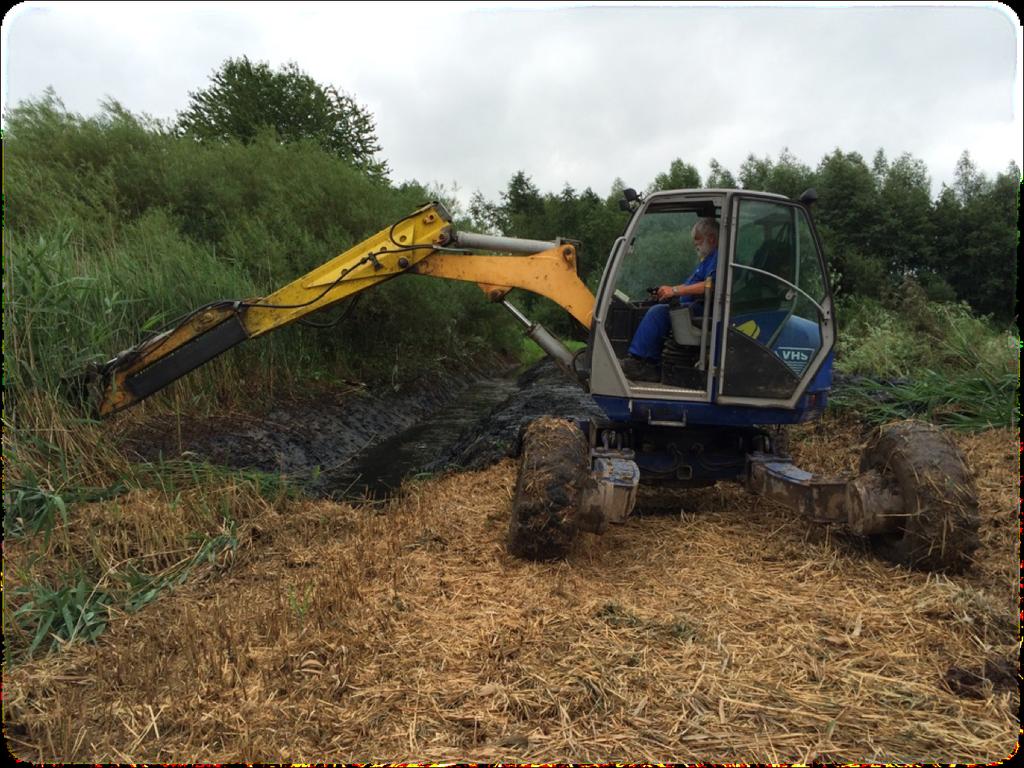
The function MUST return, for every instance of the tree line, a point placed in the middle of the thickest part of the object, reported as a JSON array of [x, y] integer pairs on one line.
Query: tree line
[[878, 221]]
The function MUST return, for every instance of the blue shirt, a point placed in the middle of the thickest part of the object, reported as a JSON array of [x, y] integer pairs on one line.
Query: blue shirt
[[704, 270]]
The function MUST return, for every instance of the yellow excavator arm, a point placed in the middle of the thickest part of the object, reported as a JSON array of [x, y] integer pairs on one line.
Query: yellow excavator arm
[[422, 243]]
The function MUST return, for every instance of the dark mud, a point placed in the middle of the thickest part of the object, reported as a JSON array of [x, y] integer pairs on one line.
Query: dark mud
[[365, 443], [543, 390]]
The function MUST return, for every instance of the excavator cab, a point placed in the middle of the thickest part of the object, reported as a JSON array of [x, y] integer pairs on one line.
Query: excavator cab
[[761, 339]]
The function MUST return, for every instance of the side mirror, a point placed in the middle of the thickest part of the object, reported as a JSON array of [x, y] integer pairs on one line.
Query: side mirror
[[809, 197], [630, 200]]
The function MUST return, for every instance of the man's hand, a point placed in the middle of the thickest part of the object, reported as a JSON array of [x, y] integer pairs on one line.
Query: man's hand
[[666, 292]]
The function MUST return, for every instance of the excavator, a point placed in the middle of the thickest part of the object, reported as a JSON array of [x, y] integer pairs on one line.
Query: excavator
[[756, 355]]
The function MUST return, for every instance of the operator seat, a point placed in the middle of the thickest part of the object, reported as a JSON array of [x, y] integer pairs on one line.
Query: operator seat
[[685, 327]]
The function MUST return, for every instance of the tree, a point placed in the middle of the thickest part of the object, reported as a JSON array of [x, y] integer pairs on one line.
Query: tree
[[755, 172], [615, 193], [565, 212], [848, 218], [969, 181], [997, 290], [720, 178], [485, 216], [600, 225], [976, 240], [523, 208], [880, 167], [788, 176], [680, 176], [904, 219], [246, 98]]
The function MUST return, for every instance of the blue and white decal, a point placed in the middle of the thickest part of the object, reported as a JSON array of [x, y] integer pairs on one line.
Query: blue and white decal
[[796, 358]]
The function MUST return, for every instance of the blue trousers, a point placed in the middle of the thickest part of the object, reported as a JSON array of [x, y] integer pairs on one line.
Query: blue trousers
[[650, 335]]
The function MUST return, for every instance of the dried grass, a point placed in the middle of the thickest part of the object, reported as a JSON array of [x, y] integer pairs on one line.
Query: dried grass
[[727, 631]]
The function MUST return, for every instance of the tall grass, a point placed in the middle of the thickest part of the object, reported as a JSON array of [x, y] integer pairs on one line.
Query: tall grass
[[907, 357], [116, 227]]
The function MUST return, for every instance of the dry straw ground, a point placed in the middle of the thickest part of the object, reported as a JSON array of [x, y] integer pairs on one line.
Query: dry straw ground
[[719, 629]]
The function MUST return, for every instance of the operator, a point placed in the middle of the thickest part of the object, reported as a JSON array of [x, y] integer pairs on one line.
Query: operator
[[644, 361]]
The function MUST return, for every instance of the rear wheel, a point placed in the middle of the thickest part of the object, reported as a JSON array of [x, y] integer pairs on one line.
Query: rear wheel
[[553, 470], [938, 528]]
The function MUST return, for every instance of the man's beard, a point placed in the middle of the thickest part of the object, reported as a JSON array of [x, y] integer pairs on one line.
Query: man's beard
[[704, 250]]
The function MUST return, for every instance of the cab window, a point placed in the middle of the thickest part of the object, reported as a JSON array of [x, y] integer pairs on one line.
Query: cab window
[[661, 252]]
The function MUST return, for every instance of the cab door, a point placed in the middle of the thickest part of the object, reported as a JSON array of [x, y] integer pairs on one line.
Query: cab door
[[778, 318]]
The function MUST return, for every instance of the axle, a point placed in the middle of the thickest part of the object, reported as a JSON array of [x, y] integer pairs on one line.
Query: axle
[[866, 504]]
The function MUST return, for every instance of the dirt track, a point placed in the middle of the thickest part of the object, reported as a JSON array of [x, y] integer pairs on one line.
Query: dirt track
[[719, 629]]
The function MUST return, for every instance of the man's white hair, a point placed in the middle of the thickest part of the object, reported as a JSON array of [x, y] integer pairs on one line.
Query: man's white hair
[[705, 227]]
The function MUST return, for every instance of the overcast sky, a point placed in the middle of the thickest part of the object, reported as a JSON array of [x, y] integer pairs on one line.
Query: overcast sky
[[468, 93]]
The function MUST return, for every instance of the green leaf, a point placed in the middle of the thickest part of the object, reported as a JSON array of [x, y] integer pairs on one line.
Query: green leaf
[[44, 627]]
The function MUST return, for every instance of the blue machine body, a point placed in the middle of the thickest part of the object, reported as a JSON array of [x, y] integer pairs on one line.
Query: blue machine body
[[771, 339], [700, 443], [680, 453]]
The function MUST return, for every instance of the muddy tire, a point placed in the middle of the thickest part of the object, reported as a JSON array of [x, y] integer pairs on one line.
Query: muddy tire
[[553, 469], [940, 529]]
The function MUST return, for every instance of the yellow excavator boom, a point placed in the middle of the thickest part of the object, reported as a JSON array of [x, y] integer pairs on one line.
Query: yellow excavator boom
[[422, 243]]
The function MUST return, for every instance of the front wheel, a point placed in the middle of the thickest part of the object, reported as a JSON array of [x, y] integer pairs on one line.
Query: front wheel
[[937, 529], [553, 470]]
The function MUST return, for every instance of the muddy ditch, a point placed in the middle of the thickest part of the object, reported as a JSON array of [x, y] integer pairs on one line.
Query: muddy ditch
[[364, 443]]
